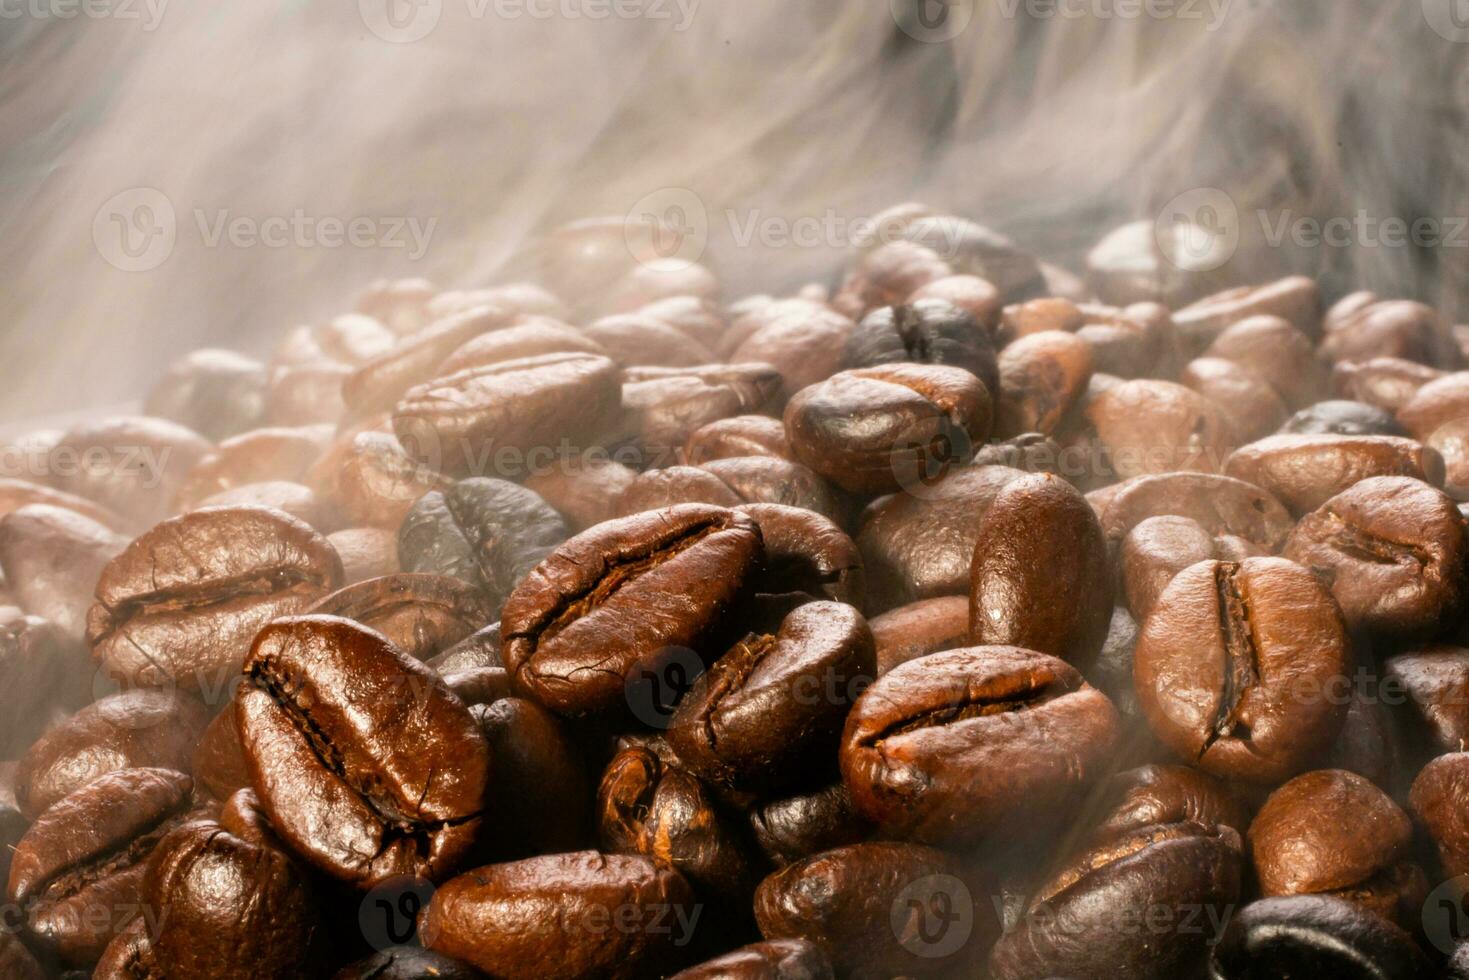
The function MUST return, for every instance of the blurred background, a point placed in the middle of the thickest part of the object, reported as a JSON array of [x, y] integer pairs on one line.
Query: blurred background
[[175, 174]]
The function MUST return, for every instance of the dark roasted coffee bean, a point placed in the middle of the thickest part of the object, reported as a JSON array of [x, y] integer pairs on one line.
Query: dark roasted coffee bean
[[421, 614], [1156, 550], [479, 649], [916, 630], [730, 483], [367, 765], [182, 603], [807, 553], [1435, 680], [871, 908], [1154, 794], [623, 598], [1168, 877], [584, 490], [777, 959], [1151, 426], [775, 701], [1440, 800], [925, 331], [1225, 507], [880, 429], [539, 788], [794, 827], [665, 813], [565, 916], [1042, 376], [1112, 672], [44, 676], [1241, 668], [1295, 299], [1332, 832], [920, 545], [742, 435], [1314, 936], [217, 393], [974, 743], [366, 552], [233, 906], [16, 962], [78, 871], [1392, 550], [479, 686], [665, 406], [500, 413], [131, 730], [408, 963], [1305, 471], [1342, 418], [1040, 577], [132, 465]]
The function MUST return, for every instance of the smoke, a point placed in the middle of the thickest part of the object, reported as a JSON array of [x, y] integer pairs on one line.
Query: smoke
[[305, 149]]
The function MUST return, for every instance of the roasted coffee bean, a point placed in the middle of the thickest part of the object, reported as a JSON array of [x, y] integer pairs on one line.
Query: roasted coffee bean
[[15, 494], [637, 339], [925, 331], [479, 686], [408, 963], [1314, 936], [294, 499], [730, 483], [1241, 668], [775, 701], [1295, 299], [868, 907], [666, 814], [500, 413], [1151, 426], [880, 429], [1252, 406], [1393, 328], [421, 614], [1392, 550], [975, 296], [1139, 261], [1156, 550], [349, 339], [916, 630], [664, 407], [78, 871], [306, 394], [1029, 451], [217, 393], [1223, 506], [132, 465], [1367, 744], [1040, 577], [1042, 376], [889, 274], [183, 601], [564, 916], [1440, 800], [1168, 876], [790, 828], [523, 298], [401, 305], [804, 341], [367, 478], [1274, 350], [1436, 404], [44, 676], [619, 600], [530, 336], [741, 435], [367, 765], [974, 744], [920, 545], [383, 379], [1436, 682], [976, 250], [131, 730], [694, 315], [257, 456], [218, 764], [1305, 471], [1332, 832], [1112, 674], [1154, 794], [1037, 316], [584, 490], [16, 962], [539, 788], [233, 907], [1386, 383], [479, 649], [807, 553], [1342, 418], [778, 959], [366, 552]]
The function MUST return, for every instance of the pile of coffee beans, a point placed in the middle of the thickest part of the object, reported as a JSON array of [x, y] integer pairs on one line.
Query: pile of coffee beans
[[968, 618]]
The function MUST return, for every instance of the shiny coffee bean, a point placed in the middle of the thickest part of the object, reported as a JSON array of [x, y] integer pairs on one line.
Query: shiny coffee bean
[[183, 601], [420, 614], [790, 828], [1385, 383], [890, 274], [741, 435], [1305, 471], [623, 598], [1042, 376], [1155, 794], [366, 478], [366, 552], [365, 762], [480, 649], [880, 429], [1178, 882], [667, 814], [1151, 426], [774, 702], [1252, 406], [664, 407], [1392, 550], [1436, 404], [582, 914], [916, 630], [78, 871], [529, 336], [583, 490], [44, 676], [1040, 577], [1156, 550], [731, 483], [1314, 936], [131, 730], [132, 465], [1278, 352], [807, 553], [778, 959], [539, 788], [218, 764], [1393, 328], [408, 963], [804, 341], [1295, 299], [1342, 418], [1435, 680], [1241, 668], [15, 494], [1439, 800], [925, 331], [974, 743], [217, 393], [479, 686]]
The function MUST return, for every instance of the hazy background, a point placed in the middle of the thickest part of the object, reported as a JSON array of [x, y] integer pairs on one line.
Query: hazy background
[[499, 123]]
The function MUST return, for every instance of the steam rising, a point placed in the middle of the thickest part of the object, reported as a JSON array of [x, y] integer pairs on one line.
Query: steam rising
[[1054, 129]]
